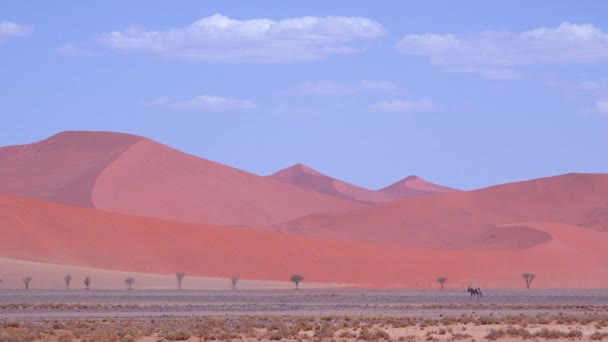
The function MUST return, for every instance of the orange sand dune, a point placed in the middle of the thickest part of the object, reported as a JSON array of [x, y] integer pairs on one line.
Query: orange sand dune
[[458, 220], [305, 177], [53, 233], [134, 175], [413, 186]]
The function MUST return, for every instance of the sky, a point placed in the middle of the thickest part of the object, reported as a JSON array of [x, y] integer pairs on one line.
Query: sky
[[466, 94]]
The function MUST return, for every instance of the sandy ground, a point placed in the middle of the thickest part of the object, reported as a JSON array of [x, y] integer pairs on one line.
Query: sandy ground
[[261, 315], [50, 276]]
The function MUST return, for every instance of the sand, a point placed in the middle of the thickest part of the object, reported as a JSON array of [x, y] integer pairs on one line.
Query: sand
[[305, 177], [134, 175]]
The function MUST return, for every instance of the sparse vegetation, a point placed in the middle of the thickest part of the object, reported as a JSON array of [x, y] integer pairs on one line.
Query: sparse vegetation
[[528, 278], [297, 279], [67, 279], [234, 280], [129, 281], [87, 283], [442, 280], [179, 276], [26, 282]]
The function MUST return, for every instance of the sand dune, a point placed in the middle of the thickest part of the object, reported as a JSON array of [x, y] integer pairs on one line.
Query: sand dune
[[413, 186], [57, 234], [459, 220], [303, 176], [134, 175]]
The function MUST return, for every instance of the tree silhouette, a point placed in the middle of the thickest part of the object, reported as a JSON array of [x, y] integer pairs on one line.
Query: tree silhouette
[[442, 280], [68, 280], [234, 280], [296, 279], [87, 283], [528, 278], [179, 276], [129, 281], [26, 282]]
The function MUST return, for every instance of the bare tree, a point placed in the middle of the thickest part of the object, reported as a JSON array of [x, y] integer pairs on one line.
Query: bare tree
[[26, 282], [442, 280], [296, 279], [87, 283], [129, 281], [528, 278], [68, 280], [180, 276], [234, 280]]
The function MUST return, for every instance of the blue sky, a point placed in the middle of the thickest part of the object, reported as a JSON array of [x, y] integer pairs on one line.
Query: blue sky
[[466, 95]]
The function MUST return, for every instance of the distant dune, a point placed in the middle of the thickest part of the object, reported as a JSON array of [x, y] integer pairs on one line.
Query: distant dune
[[460, 220], [305, 177], [413, 186], [57, 234], [134, 175]]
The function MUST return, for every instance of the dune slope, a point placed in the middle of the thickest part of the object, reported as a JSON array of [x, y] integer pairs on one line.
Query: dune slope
[[53, 233], [303, 176], [134, 175], [414, 186], [459, 220]]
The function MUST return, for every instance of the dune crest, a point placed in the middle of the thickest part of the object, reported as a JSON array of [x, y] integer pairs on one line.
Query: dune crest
[[414, 186], [305, 177]]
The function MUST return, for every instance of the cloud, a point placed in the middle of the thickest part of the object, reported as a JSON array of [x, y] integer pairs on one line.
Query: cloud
[[336, 88], [498, 54], [72, 50], [202, 103], [218, 38], [599, 110], [422, 105], [9, 28]]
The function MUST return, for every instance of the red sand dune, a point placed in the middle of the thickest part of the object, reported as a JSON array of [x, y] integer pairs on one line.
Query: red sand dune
[[459, 220], [413, 186], [305, 177], [134, 175], [54, 233]]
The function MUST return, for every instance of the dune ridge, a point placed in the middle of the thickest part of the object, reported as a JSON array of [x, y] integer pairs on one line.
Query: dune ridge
[[135, 175], [303, 176], [461, 220]]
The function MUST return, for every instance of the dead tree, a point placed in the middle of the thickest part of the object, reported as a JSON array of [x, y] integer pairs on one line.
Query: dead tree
[[26, 282], [129, 281], [296, 279], [179, 276], [234, 280], [528, 278], [442, 280], [68, 280], [87, 283]]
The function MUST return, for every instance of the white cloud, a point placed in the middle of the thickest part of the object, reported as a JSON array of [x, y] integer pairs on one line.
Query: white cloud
[[337, 88], [202, 103], [497, 54], [599, 110], [218, 38], [72, 50], [9, 28], [421, 105]]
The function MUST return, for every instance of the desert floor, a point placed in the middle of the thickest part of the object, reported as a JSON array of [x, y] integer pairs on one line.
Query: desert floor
[[157, 315]]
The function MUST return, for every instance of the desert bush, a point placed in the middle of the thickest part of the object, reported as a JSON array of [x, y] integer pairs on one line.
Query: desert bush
[[598, 336]]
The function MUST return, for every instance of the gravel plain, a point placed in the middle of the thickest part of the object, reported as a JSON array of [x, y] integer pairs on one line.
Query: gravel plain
[[63, 304]]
